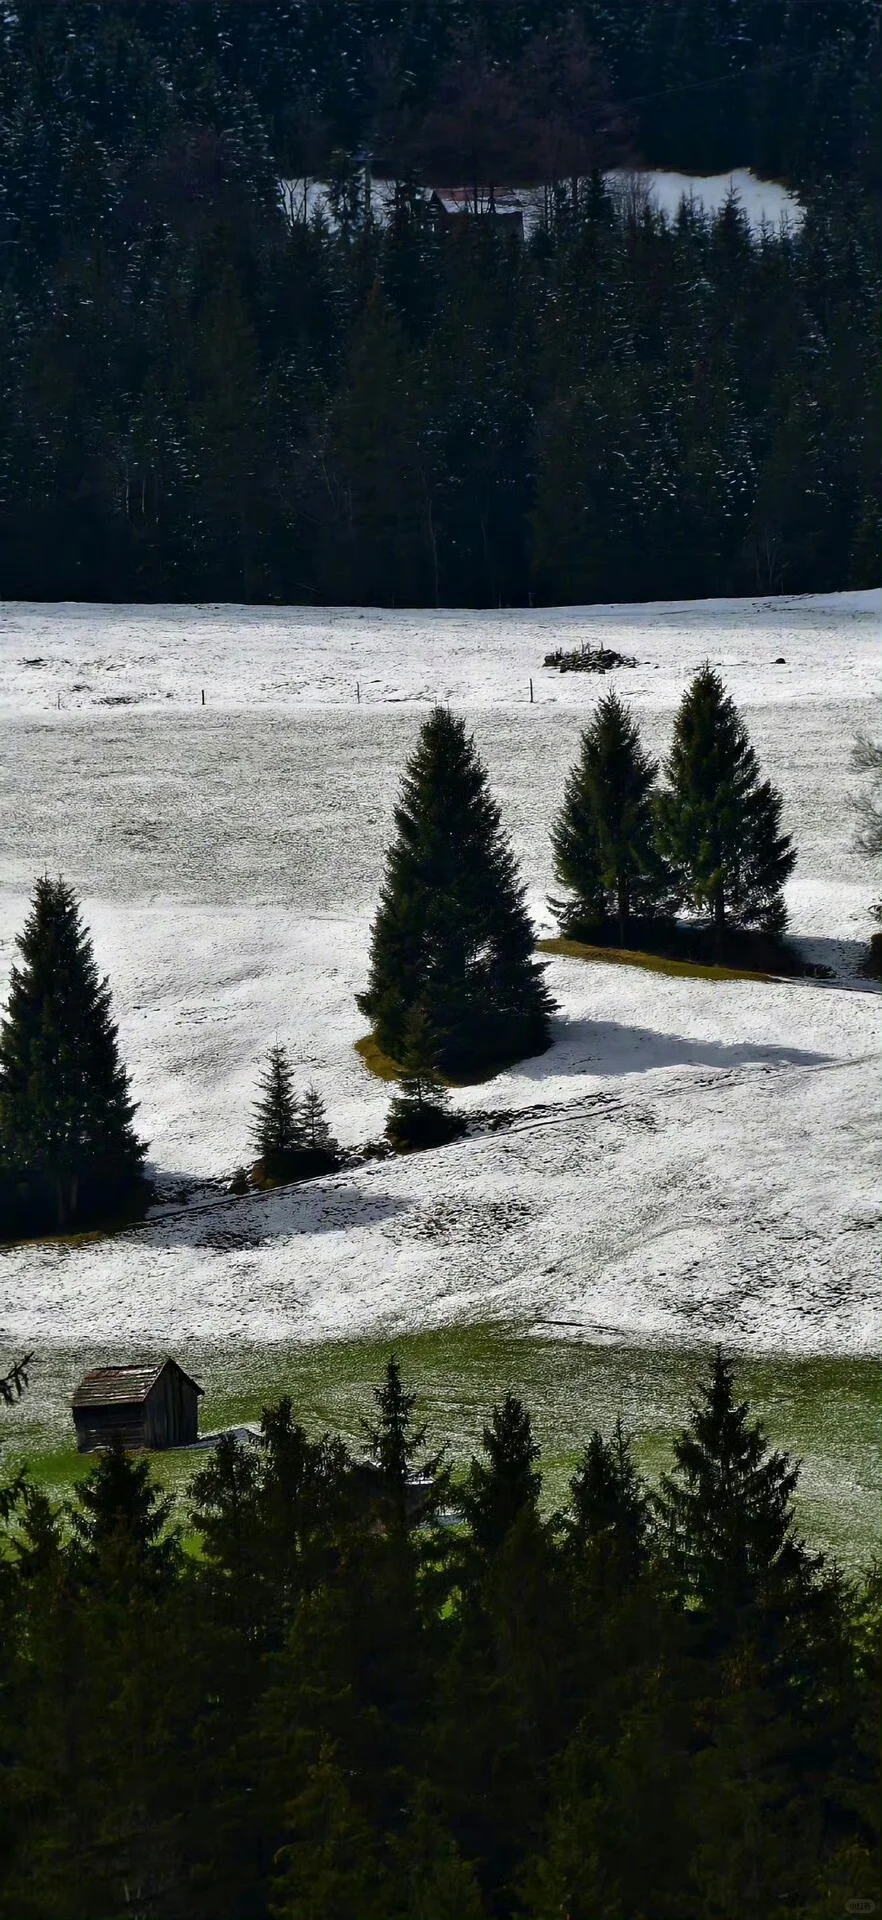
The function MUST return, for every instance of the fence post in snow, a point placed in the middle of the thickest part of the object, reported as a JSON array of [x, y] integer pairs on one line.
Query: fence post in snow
[[203, 696], [531, 693], [357, 694]]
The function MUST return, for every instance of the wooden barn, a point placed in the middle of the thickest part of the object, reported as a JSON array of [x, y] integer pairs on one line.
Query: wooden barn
[[149, 1404], [448, 204]]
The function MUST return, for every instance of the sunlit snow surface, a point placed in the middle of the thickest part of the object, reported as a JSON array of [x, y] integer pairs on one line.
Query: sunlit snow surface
[[689, 1160]]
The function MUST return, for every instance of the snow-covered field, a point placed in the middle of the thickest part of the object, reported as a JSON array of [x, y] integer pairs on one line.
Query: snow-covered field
[[689, 1161]]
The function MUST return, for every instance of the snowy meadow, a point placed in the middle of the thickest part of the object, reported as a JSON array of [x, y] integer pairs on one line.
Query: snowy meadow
[[691, 1161]]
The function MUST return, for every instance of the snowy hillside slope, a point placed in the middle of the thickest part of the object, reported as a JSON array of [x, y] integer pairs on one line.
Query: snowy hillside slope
[[690, 1160]]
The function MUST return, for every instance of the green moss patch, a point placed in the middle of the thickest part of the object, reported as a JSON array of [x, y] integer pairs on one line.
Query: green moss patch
[[651, 962], [383, 1068]]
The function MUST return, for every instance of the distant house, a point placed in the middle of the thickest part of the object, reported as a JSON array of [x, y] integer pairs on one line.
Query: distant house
[[149, 1404], [447, 204]]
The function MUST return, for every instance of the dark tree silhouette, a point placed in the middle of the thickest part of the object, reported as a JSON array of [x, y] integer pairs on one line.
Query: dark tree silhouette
[[719, 824], [728, 1504], [604, 835], [419, 1115], [65, 1109], [452, 935], [411, 1483], [506, 1483], [277, 1128]]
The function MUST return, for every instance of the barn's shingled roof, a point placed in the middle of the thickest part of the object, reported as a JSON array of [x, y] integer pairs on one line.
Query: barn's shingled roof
[[123, 1386]]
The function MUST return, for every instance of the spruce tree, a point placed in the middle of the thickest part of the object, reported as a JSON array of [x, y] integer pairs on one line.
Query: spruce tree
[[610, 1506], [419, 1115], [604, 835], [727, 1507], [317, 1135], [393, 1446], [719, 824], [329, 1868], [435, 1882], [120, 1523], [505, 1485], [452, 933], [65, 1111], [277, 1131]]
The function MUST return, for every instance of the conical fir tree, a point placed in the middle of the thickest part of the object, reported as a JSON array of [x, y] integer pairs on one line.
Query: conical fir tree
[[610, 1506], [719, 824], [394, 1445], [604, 835], [452, 933], [65, 1111], [728, 1505], [317, 1136], [277, 1132], [419, 1115], [506, 1483]]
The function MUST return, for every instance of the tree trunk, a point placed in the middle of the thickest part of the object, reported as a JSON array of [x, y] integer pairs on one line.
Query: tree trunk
[[623, 906]]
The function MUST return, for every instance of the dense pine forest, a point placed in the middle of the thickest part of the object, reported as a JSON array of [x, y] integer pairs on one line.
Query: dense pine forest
[[358, 1689], [203, 398]]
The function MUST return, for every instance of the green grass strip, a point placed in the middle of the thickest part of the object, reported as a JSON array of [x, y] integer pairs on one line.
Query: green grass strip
[[651, 962], [383, 1068]]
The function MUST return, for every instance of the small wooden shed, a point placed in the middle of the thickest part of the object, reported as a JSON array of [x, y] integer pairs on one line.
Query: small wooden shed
[[148, 1404], [449, 204]]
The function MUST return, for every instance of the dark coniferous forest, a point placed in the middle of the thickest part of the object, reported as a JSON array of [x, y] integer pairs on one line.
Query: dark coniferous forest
[[203, 398], [374, 1693]]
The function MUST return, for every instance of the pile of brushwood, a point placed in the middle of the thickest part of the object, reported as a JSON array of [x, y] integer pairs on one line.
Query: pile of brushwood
[[359, 1690], [588, 659]]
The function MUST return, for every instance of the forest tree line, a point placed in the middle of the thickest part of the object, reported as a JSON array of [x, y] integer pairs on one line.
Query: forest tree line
[[200, 398], [372, 1689]]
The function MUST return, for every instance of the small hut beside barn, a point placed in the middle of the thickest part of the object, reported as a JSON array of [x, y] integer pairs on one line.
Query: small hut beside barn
[[148, 1404]]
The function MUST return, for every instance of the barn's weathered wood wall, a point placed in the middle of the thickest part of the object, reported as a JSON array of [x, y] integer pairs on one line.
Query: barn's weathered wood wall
[[167, 1416]]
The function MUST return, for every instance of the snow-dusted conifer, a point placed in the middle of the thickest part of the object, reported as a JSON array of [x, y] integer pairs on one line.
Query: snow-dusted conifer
[[65, 1108], [452, 932], [719, 824], [604, 835], [317, 1135], [277, 1130]]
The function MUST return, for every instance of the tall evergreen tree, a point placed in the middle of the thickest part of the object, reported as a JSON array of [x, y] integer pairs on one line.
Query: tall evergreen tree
[[65, 1110], [609, 1504], [727, 1507], [120, 1523], [277, 1130], [719, 824], [437, 1883], [452, 933], [604, 835], [317, 1135], [329, 1867], [506, 1484], [394, 1446]]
